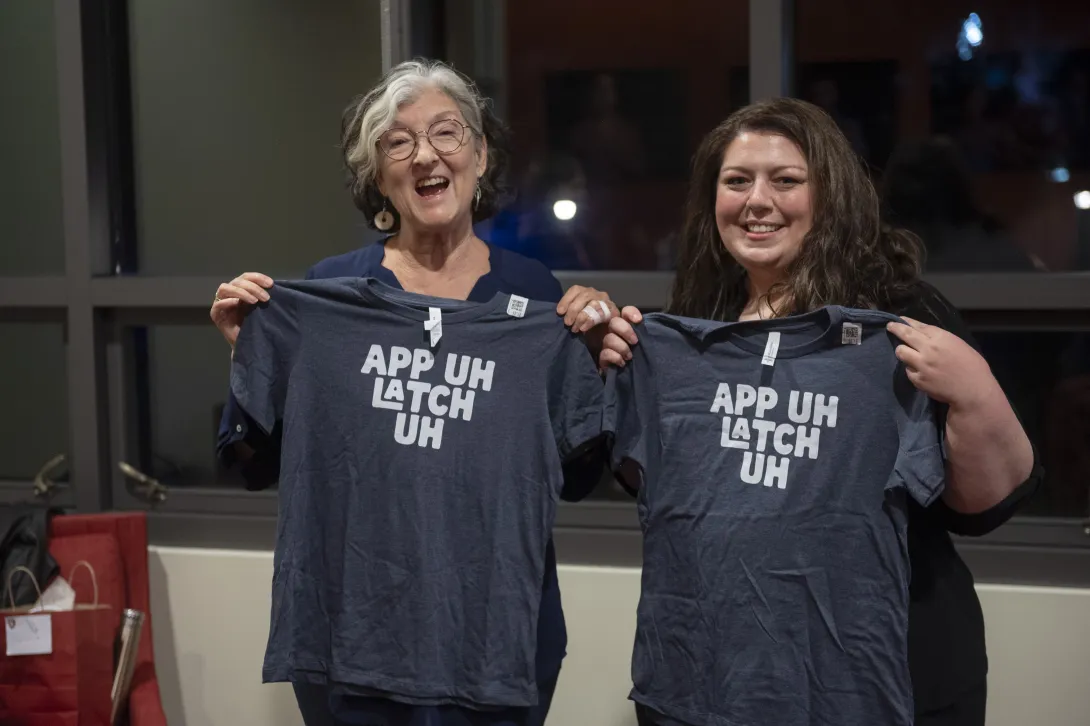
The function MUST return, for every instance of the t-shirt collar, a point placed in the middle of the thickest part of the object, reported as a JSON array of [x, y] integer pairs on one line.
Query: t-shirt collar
[[415, 306], [802, 334]]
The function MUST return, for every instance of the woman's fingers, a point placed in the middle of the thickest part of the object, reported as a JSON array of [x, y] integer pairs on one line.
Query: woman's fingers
[[253, 288], [256, 277], [229, 290]]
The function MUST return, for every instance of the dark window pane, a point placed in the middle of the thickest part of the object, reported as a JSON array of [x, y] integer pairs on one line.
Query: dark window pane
[[33, 392], [607, 101], [31, 234], [1047, 377], [972, 116], [236, 118], [180, 376]]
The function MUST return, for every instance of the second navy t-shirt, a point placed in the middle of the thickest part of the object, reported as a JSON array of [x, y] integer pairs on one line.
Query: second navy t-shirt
[[777, 457]]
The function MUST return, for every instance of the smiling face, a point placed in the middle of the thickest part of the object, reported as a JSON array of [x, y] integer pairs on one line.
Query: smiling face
[[763, 203], [431, 190]]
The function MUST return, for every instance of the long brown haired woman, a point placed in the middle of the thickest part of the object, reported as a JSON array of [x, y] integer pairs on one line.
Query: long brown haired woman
[[782, 219]]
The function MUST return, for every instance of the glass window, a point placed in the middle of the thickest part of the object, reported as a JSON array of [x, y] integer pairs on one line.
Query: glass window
[[236, 145], [972, 116], [607, 102], [33, 389], [180, 375], [1047, 377], [31, 231]]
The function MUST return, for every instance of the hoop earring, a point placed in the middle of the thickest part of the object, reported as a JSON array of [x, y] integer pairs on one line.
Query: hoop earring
[[384, 220], [477, 196]]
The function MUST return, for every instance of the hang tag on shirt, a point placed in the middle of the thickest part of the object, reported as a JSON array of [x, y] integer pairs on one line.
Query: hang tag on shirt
[[516, 307], [29, 634], [772, 346], [851, 334], [434, 325]]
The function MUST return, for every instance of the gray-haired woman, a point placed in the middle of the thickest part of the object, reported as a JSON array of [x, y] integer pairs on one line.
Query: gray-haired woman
[[426, 158]]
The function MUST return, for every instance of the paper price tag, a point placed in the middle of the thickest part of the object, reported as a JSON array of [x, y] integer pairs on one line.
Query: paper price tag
[[851, 334], [29, 634]]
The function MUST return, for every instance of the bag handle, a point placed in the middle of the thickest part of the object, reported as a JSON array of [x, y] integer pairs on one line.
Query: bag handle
[[11, 593], [94, 578]]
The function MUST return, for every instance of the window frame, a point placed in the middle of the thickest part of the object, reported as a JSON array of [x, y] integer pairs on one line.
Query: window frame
[[96, 306]]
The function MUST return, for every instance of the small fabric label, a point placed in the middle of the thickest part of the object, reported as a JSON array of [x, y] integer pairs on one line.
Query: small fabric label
[[29, 634], [434, 325], [772, 346], [516, 307], [851, 334]]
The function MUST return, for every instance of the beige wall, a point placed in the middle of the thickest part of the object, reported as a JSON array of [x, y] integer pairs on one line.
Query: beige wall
[[211, 617]]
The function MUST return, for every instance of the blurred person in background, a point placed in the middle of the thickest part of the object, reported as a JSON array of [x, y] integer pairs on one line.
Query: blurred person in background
[[927, 189]]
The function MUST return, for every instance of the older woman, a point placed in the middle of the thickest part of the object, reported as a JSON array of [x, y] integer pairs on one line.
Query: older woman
[[781, 219], [426, 159]]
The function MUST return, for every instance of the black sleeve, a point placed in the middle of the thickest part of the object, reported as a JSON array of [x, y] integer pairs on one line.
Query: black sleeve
[[929, 306], [585, 471]]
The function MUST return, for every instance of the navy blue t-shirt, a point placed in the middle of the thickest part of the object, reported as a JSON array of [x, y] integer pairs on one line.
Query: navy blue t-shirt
[[778, 461], [408, 565], [509, 273]]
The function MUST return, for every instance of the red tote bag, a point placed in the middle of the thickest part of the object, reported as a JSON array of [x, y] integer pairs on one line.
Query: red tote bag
[[62, 677]]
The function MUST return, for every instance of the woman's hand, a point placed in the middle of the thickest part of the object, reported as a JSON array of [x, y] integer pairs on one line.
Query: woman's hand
[[944, 366], [592, 313], [617, 344], [585, 308], [234, 301]]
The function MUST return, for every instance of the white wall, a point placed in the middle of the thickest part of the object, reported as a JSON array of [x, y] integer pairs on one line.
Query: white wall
[[211, 617]]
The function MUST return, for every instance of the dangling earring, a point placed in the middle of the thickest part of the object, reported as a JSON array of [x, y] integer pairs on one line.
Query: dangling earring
[[384, 220], [477, 196]]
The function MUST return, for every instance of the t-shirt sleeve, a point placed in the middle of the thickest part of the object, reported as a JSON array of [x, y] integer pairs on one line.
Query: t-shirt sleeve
[[630, 407], [920, 466], [575, 394], [264, 354]]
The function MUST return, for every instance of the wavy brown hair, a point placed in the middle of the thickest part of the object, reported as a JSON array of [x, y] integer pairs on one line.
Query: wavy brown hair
[[847, 258]]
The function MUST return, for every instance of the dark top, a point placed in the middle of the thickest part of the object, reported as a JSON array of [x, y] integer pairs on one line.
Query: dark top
[[509, 273], [946, 647], [778, 457], [407, 567]]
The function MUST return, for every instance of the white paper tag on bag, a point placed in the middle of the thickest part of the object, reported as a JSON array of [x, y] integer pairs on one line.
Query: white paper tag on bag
[[434, 325], [851, 334], [29, 634], [516, 308], [771, 348]]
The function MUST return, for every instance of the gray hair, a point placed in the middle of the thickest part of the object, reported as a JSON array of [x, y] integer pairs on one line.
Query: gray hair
[[370, 115]]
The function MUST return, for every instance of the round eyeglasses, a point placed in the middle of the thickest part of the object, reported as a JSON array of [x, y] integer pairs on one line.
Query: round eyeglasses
[[445, 136]]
